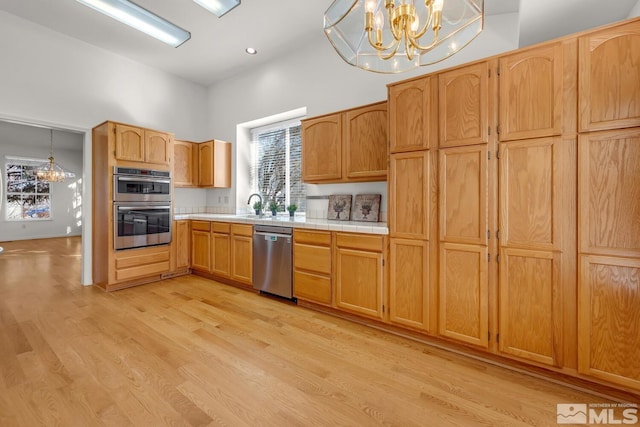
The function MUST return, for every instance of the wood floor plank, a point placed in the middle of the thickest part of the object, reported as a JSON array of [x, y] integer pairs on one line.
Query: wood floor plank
[[190, 351]]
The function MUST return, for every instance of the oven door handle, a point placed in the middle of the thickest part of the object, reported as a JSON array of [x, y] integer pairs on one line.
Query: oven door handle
[[144, 178], [137, 208]]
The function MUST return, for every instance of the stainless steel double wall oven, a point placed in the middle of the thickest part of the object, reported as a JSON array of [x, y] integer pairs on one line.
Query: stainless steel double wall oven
[[141, 207]]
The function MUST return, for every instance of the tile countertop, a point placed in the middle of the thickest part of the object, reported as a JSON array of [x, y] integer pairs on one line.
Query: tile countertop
[[297, 222]]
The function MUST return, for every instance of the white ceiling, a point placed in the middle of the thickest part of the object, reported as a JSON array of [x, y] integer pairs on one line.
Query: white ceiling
[[216, 48]]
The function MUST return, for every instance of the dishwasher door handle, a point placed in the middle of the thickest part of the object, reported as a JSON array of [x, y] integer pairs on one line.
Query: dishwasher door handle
[[260, 233]]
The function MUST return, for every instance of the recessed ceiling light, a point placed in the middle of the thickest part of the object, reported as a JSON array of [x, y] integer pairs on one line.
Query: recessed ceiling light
[[251, 51]]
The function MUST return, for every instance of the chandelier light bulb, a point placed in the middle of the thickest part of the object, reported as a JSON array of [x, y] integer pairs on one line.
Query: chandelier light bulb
[[379, 21], [415, 24], [370, 6], [438, 5]]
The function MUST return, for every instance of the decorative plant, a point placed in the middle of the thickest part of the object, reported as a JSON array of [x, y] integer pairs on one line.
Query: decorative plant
[[292, 208], [257, 205], [273, 206]]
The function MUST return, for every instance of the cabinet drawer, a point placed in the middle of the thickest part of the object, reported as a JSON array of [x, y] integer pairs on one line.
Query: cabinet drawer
[[312, 287], [142, 259], [313, 237], [201, 225], [221, 227], [360, 241], [142, 270], [312, 258], [242, 230]]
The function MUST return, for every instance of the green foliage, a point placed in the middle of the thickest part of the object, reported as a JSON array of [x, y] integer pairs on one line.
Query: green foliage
[[273, 205], [292, 207], [257, 205]]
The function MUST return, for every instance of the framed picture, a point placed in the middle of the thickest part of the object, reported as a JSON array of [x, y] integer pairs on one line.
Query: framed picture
[[367, 207], [339, 207]]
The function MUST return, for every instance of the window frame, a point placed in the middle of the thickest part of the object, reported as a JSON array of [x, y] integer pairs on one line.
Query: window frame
[[5, 193]]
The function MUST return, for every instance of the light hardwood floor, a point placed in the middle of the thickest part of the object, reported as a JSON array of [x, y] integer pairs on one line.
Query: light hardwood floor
[[190, 351]]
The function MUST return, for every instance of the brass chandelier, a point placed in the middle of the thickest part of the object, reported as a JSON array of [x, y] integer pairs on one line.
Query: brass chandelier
[[392, 36], [51, 171]]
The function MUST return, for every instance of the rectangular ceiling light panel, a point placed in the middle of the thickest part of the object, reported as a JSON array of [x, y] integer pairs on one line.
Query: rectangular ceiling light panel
[[218, 7], [141, 19]]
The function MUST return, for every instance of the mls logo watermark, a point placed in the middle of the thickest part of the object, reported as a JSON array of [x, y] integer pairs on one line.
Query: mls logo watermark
[[597, 413]]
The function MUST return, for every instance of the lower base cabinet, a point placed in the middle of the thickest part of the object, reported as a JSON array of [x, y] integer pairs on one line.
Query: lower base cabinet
[[359, 274], [242, 253], [201, 246], [221, 249], [181, 246], [312, 266]]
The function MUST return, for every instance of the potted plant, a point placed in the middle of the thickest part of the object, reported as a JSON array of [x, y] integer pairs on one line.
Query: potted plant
[[273, 207], [292, 209], [257, 206]]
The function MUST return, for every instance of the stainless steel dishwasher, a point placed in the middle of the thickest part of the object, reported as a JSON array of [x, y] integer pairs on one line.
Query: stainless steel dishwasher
[[272, 252]]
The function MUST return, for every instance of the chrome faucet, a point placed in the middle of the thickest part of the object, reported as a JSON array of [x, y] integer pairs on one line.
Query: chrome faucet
[[259, 197]]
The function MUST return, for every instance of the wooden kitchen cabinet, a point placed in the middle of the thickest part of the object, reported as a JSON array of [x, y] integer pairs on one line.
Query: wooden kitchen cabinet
[[142, 145], [412, 115], [221, 249], [537, 194], [532, 92], [181, 246], [609, 87], [185, 164], [409, 191], [464, 98], [322, 148], [242, 253], [366, 149], [463, 196], [201, 245], [312, 266], [609, 319], [138, 263], [409, 298], [214, 164], [347, 146], [359, 274]]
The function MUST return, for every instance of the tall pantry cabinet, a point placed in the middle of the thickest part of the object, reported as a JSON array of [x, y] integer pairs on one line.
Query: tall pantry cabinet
[[514, 206], [609, 210]]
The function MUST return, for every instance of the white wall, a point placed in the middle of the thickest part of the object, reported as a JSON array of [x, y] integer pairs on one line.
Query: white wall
[[51, 79], [316, 78]]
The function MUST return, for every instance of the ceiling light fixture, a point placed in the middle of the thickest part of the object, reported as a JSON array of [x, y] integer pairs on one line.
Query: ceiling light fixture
[[392, 36], [218, 7], [251, 51], [51, 171], [141, 19]]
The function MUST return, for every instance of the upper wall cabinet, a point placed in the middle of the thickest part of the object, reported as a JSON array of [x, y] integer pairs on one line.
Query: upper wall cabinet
[[214, 164], [410, 115], [464, 106], [142, 145], [610, 78], [185, 164], [322, 148], [531, 93], [346, 146]]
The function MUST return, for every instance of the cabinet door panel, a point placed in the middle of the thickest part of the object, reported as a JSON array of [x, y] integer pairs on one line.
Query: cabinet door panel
[[201, 250], [409, 283], [129, 143], [410, 115], [359, 282], [182, 236], [157, 147], [205, 164], [464, 313], [221, 254], [531, 91], [312, 258], [530, 309], [464, 106], [530, 192], [409, 189], [463, 195], [609, 319], [185, 172], [610, 78], [242, 259], [312, 287], [609, 214], [366, 150], [322, 148]]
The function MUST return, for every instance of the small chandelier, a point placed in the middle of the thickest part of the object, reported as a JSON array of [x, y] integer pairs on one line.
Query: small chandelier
[[51, 171], [392, 36]]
